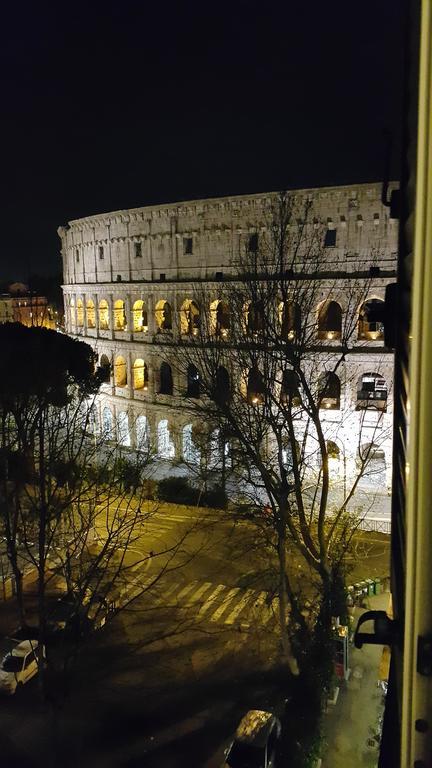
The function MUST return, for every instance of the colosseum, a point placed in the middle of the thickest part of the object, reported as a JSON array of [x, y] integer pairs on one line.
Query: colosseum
[[130, 282]]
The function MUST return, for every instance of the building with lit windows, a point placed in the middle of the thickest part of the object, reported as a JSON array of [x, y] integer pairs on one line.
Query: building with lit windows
[[130, 287]]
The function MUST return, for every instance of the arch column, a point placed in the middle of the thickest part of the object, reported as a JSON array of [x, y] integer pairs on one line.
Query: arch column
[[179, 386], [129, 374], [150, 302], [176, 437], [150, 362], [128, 314], [96, 303], [84, 301], [110, 301], [132, 417], [175, 305]]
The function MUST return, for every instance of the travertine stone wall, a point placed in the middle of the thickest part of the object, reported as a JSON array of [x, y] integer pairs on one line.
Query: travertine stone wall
[[160, 253]]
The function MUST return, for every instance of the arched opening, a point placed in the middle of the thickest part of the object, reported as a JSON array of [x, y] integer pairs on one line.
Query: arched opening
[[371, 320], [140, 374], [142, 433], [333, 459], [220, 454], [163, 316], [255, 387], [80, 313], [287, 454], [103, 315], [329, 391], [371, 392], [107, 424], [189, 318], [166, 448], [374, 470], [222, 388], [105, 366], [330, 321], [289, 314], [139, 317], [119, 315], [91, 314], [219, 319], [193, 381], [123, 428], [333, 451], [120, 373], [165, 380], [190, 452], [290, 388], [253, 318]]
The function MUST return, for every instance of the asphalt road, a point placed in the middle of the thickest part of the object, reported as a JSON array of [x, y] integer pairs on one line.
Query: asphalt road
[[166, 682]]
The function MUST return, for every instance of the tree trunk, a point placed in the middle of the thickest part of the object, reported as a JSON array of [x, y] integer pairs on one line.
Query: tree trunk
[[283, 602]]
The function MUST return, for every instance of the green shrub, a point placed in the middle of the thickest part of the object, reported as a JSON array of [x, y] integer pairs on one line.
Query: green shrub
[[180, 491], [215, 497], [177, 490]]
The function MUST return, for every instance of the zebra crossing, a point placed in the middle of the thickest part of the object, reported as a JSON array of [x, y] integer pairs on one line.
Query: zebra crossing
[[215, 603], [159, 522]]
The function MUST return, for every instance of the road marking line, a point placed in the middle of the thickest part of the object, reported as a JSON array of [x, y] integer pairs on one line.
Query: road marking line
[[225, 604], [273, 609], [170, 589], [210, 600], [194, 598], [185, 591], [247, 597]]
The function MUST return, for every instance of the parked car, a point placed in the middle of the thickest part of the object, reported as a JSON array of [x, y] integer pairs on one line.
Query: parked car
[[255, 741], [20, 665], [79, 618]]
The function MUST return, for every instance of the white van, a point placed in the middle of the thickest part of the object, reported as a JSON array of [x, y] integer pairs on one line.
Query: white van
[[20, 665]]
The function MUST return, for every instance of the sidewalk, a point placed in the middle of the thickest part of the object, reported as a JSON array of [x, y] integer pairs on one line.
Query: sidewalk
[[351, 726]]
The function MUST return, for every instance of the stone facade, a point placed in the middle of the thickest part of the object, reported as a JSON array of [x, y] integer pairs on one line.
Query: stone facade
[[129, 275]]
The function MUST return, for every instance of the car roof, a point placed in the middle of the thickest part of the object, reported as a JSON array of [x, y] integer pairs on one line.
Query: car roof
[[22, 649], [255, 727]]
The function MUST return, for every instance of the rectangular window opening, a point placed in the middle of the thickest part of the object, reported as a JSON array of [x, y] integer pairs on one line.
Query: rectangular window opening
[[188, 246], [138, 250], [253, 243], [101, 252], [330, 238]]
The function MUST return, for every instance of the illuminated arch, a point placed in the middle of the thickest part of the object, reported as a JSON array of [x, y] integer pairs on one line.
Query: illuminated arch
[[189, 318], [140, 374], [91, 314], [103, 315], [329, 389], [163, 315], [139, 316], [120, 372], [119, 315], [371, 320], [330, 321], [220, 320], [80, 313], [289, 315]]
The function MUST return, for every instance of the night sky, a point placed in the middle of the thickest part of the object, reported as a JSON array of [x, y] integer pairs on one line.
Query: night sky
[[119, 104]]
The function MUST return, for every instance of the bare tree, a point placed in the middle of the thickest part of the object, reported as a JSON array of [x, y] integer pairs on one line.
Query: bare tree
[[72, 504], [272, 357]]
